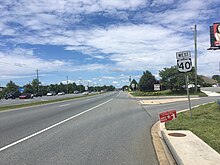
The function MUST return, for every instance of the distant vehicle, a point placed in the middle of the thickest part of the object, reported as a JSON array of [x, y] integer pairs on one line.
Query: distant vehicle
[[60, 93], [85, 93], [51, 94], [12, 95], [38, 95], [76, 92], [26, 96]]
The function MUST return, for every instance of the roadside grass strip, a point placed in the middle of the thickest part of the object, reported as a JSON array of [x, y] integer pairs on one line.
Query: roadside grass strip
[[205, 123], [166, 93]]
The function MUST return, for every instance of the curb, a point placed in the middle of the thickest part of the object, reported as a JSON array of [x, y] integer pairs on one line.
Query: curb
[[176, 157], [181, 157]]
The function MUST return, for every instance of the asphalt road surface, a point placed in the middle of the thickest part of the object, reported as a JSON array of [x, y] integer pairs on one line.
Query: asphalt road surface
[[107, 129]]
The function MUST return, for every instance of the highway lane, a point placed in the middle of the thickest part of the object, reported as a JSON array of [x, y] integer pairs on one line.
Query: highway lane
[[115, 131], [20, 123], [112, 129]]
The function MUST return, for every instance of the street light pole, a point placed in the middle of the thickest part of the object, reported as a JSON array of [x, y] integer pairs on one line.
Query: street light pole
[[37, 82], [195, 42]]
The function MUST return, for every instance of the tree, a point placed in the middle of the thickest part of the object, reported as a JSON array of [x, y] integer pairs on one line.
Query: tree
[[35, 84], [172, 79], [10, 87], [147, 82], [28, 88]]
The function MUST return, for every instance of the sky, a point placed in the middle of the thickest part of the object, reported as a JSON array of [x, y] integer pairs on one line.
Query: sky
[[102, 42]]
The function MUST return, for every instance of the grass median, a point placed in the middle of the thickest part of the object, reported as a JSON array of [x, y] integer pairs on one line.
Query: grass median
[[166, 93], [7, 107], [205, 123]]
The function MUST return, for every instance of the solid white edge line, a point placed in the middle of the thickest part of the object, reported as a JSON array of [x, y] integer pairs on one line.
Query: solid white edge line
[[52, 126]]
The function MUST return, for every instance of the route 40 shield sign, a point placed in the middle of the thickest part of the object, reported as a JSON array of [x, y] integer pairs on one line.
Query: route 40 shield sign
[[184, 62]]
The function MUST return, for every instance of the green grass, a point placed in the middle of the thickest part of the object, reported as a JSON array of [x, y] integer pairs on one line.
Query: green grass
[[205, 123], [2, 108], [166, 93]]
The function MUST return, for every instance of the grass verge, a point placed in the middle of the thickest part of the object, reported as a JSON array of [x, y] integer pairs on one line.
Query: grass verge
[[2, 108], [166, 93], [205, 124]]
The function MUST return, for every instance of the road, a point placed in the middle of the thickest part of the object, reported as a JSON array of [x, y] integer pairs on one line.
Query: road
[[211, 89], [109, 129]]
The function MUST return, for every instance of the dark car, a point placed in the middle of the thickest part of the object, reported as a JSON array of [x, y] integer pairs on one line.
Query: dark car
[[26, 96], [38, 95], [12, 95]]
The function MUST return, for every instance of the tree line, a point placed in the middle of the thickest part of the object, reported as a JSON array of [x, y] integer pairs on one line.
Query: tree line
[[36, 87], [171, 79]]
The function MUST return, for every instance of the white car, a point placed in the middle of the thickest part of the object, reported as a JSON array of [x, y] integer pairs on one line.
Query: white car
[[61, 93], [50, 94], [85, 93]]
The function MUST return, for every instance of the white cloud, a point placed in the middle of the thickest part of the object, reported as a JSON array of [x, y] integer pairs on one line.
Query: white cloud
[[23, 63], [151, 44]]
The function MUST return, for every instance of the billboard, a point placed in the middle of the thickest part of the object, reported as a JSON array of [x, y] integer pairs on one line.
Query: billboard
[[216, 31], [215, 36]]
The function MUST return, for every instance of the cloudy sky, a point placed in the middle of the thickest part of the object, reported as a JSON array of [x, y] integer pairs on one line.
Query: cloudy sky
[[101, 41]]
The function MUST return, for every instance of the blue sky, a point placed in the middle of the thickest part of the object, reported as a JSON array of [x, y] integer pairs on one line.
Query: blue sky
[[101, 42]]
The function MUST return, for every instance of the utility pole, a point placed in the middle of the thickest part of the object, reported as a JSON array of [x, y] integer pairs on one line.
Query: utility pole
[[67, 85], [195, 42], [37, 82]]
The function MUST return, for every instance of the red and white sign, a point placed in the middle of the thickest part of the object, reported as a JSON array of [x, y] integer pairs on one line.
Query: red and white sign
[[167, 116]]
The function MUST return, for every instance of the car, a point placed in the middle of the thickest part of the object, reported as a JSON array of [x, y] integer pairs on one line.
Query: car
[[60, 93], [76, 92], [51, 94], [12, 95], [85, 93], [37, 95], [26, 96]]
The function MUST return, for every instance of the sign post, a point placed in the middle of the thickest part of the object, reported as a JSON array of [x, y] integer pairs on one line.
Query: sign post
[[184, 64]]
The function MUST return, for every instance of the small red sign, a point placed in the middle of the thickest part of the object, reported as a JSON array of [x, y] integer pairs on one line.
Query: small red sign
[[167, 116]]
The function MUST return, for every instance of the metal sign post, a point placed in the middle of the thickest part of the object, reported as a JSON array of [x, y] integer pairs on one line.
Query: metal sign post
[[187, 89], [184, 65]]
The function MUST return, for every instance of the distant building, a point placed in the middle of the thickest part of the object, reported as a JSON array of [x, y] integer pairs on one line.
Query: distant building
[[207, 80]]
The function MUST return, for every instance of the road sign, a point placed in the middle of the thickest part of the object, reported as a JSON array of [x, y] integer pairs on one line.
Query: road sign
[[21, 89], [184, 65], [167, 116], [184, 62], [133, 86], [183, 55], [157, 87]]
